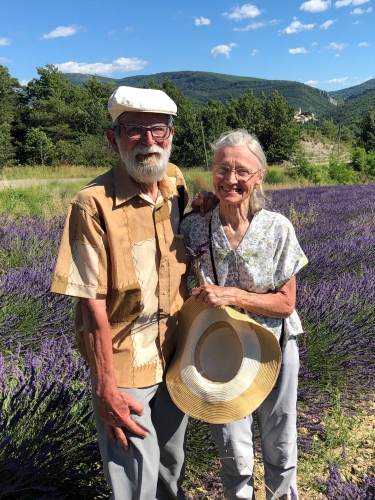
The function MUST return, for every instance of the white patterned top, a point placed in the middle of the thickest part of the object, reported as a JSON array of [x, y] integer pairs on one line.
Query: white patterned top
[[268, 256]]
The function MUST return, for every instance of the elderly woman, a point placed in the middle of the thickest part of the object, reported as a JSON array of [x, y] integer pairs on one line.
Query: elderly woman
[[250, 264]]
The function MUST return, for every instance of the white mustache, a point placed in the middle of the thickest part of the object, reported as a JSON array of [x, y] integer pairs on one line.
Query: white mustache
[[141, 149]]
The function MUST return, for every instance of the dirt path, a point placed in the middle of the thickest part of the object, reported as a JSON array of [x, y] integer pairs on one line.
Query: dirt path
[[31, 182]]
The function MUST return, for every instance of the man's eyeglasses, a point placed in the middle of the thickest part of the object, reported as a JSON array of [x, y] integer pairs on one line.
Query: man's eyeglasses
[[241, 173], [136, 132]]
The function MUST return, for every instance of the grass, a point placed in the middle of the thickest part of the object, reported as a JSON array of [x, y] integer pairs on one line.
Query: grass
[[61, 172], [44, 200]]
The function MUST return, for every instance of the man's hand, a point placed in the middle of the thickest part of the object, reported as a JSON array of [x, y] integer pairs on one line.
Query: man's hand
[[115, 409], [205, 202]]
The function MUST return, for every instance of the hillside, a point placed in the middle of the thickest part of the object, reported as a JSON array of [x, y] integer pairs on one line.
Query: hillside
[[200, 87], [353, 108], [352, 92]]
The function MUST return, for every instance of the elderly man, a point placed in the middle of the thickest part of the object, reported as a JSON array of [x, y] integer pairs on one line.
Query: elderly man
[[122, 256]]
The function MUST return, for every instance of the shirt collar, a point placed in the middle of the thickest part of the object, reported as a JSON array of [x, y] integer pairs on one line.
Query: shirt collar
[[126, 187]]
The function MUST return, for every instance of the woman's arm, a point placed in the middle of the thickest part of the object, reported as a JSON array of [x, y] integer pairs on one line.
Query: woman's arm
[[277, 304]]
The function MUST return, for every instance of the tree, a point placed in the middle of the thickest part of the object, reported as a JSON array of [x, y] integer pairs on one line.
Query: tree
[[280, 133], [247, 113], [8, 109], [188, 149], [39, 148], [214, 120], [366, 137]]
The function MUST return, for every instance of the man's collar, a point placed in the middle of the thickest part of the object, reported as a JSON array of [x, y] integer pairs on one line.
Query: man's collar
[[126, 187]]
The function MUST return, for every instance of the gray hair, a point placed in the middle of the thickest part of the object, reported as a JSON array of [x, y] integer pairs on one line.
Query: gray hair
[[241, 138]]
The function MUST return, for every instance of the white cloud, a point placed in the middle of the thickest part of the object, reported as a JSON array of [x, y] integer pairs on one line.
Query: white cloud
[[316, 5], [4, 59], [255, 52], [255, 26], [312, 82], [24, 82], [223, 50], [121, 65], [314, 44], [202, 21], [363, 44], [356, 22], [337, 80], [61, 31], [327, 24], [298, 50], [128, 29], [345, 3], [336, 46], [246, 11], [360, 11], [296, 26], [4, 41], [337, 55]]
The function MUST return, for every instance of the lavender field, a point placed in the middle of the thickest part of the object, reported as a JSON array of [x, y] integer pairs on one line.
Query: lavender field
[[47, 435]]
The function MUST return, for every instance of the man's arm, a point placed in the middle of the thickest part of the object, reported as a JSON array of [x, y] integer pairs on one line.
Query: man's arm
[[114, 405]]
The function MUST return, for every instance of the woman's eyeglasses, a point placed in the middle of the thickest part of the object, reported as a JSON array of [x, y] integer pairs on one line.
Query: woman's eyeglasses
[[241, 173]]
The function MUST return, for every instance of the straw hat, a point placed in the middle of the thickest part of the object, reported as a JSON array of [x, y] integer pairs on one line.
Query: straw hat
[[225, 365]]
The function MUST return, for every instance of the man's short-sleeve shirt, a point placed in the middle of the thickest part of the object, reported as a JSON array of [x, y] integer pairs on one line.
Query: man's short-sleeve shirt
[[120, 246]]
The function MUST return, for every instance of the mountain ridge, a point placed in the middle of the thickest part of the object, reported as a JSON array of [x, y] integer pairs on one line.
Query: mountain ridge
[[200, 87]]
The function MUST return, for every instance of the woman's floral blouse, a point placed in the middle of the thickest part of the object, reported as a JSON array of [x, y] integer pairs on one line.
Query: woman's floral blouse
[[268, 256]]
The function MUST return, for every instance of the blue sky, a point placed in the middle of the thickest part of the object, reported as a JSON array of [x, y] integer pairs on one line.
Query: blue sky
[[324, 43]]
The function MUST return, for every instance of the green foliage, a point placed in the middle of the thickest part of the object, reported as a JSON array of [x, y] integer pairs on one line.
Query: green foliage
[[306, 170], [8, 108], [329, 129], [279, 134], [363, 162], [367, 130], [38, 147], [275, 175], [340, 172], [200, 87]]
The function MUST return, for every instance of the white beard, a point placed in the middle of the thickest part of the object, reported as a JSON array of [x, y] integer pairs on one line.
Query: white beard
[[151, 169]]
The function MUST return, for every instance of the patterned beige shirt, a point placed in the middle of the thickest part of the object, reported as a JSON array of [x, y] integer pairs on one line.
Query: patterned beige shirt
[[119, 245]]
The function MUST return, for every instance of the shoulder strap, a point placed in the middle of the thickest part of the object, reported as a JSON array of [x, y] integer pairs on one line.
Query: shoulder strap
[[211, 251]]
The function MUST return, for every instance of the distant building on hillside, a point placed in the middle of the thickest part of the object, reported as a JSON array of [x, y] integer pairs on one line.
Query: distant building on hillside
[[303, 118]]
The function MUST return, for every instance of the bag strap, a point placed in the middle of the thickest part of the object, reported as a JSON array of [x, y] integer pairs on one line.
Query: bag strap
[[211, 252]]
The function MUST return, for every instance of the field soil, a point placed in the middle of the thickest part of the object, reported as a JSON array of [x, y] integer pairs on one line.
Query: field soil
[[318, 148], [360, 455]]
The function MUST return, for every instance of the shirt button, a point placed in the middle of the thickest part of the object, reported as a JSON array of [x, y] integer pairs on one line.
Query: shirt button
[[164, 293], [140, 201]]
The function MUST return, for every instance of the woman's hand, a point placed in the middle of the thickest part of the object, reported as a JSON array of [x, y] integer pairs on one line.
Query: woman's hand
[[215, 296], [278, 303]]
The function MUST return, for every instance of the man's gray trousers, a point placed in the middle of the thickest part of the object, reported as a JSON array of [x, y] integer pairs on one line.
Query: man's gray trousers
[[152, 467]]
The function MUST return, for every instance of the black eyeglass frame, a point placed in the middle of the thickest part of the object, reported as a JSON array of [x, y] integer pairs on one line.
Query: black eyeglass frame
[[167, 128]]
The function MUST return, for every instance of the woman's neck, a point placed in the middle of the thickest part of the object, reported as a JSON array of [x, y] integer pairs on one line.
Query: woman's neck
[[235, 220]]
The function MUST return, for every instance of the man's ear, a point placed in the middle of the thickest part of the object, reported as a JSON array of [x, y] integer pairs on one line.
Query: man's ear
[[172, 131], [111, 136]]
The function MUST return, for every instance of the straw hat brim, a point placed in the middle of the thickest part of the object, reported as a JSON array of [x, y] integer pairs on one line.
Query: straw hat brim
[[241, 357]]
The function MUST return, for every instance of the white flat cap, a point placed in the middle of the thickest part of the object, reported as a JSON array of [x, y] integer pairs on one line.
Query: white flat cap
[[140, 100]]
